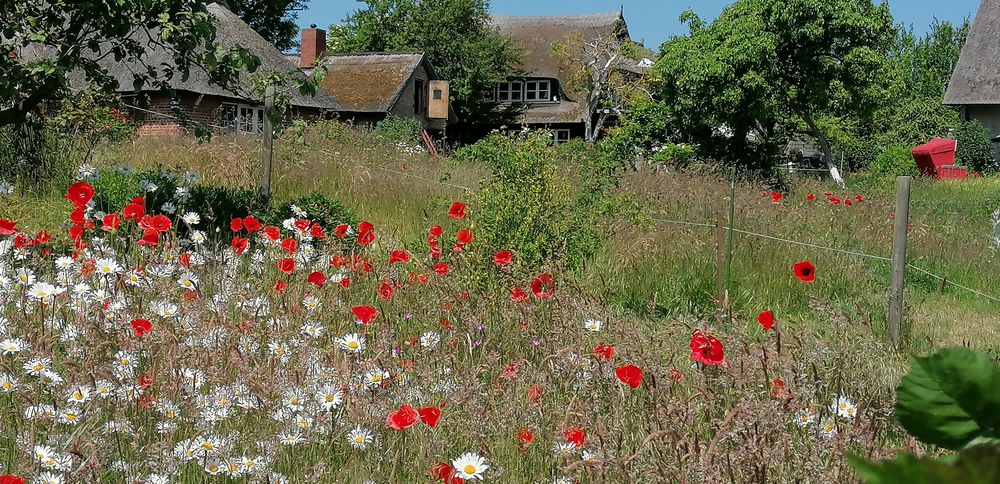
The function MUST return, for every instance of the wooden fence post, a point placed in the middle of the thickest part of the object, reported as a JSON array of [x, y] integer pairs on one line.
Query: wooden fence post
[[729, 244], [267, 148], [899, 257]]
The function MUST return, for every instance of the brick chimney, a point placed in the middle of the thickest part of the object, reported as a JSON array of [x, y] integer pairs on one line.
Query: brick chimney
[[312, 46]]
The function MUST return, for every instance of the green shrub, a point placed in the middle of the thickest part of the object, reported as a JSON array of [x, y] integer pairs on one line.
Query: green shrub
[[677, 155], [894, 161], [39, 158], [975, 147], [396, 129], [544, 202]]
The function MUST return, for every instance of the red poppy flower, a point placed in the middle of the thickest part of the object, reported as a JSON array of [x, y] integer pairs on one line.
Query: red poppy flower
[[317, 279], [366, 233], [145, 381], [289, 245], [251, 224], [535, 393], [286, 265], [111, 222], [301, 224], [280, 286], [42, 238], [810, 197], [834, 201], [341, 230], [317, 232], [676, 375], [706, 349], [542, 286], [236, 224], [80, 193], [776, 198], [805, 271], [525, 436], [430, 416], [399, 256], [141, 327], [365, 314], [848, 202], [605, 351], [766, 319], [779, 389], [457, 210], [442, 471], [441, 268], [518, 295], [435, 252], [859, 198], [21, 241], [149, 237], [185, 260], [464, 236], [78, 215], [575, 436], [239, 245], [7, 226], [504, 257], [436, 231], [272, 232], [403, 418], [630, 375], [135, 209], [385, 291], [11, 479], [345, 282]]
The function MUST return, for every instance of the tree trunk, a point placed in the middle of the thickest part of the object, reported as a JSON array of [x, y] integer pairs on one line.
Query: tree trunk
[[824, 145]]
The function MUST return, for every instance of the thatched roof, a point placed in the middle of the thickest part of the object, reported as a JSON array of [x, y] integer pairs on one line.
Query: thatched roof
[[231, 30], [976, 79], [536, 34], [369, 82]]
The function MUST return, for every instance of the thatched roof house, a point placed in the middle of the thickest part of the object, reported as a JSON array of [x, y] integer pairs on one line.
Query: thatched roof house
[[543, 92], [975, 82], [368, 86], [196, 98]]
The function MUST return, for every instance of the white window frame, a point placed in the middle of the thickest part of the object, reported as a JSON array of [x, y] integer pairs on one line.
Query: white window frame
[[561, 135], [528, 91], [246, 118]]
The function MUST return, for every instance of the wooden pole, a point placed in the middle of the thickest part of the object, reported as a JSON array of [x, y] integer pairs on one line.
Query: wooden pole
[[720, 244], [729, 242], [267, 148], [899, 257]]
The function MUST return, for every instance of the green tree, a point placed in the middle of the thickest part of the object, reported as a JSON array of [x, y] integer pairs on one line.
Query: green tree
[[44, 41], [772, 68], [974, 147], [272, 19], [457, 36], [927, 62]]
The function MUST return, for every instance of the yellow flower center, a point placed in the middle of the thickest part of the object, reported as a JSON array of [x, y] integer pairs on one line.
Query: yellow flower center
[[469, 469], [353, 345]]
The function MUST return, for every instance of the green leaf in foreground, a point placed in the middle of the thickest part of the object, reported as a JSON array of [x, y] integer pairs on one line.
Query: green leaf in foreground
[[980, 465], [950, 398]]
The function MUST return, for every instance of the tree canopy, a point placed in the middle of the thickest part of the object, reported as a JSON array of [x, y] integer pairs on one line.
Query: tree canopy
[[457, 36], [272, 19], [44, 41], [768, 69]]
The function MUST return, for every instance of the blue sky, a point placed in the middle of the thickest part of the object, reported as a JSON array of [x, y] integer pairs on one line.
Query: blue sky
[[652, 20]]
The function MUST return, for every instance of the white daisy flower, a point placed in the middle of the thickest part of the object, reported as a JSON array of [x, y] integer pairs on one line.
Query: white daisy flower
[[470, 466]]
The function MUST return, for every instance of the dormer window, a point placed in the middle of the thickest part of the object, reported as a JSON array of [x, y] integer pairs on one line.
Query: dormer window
[[526, 91]]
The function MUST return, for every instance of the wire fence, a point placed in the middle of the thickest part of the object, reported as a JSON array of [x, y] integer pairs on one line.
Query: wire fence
[[944, 279]]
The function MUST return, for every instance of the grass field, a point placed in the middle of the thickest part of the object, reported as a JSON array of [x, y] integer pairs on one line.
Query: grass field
[[498, 371]]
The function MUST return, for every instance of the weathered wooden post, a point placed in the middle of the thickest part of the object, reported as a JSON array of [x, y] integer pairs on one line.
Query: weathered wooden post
[[729, 244], [267, 147], [899, 257]]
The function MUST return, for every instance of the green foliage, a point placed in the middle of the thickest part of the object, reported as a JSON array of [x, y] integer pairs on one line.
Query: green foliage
[[457, 36], [77, 29], [975, 147], [645, 126], [927, 62], [91, 114], [528, 204], [395, 129], [763, 65], [319, 209], [894, 161], [38, 158], [677, 155], [272, 19], [950, 399]]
